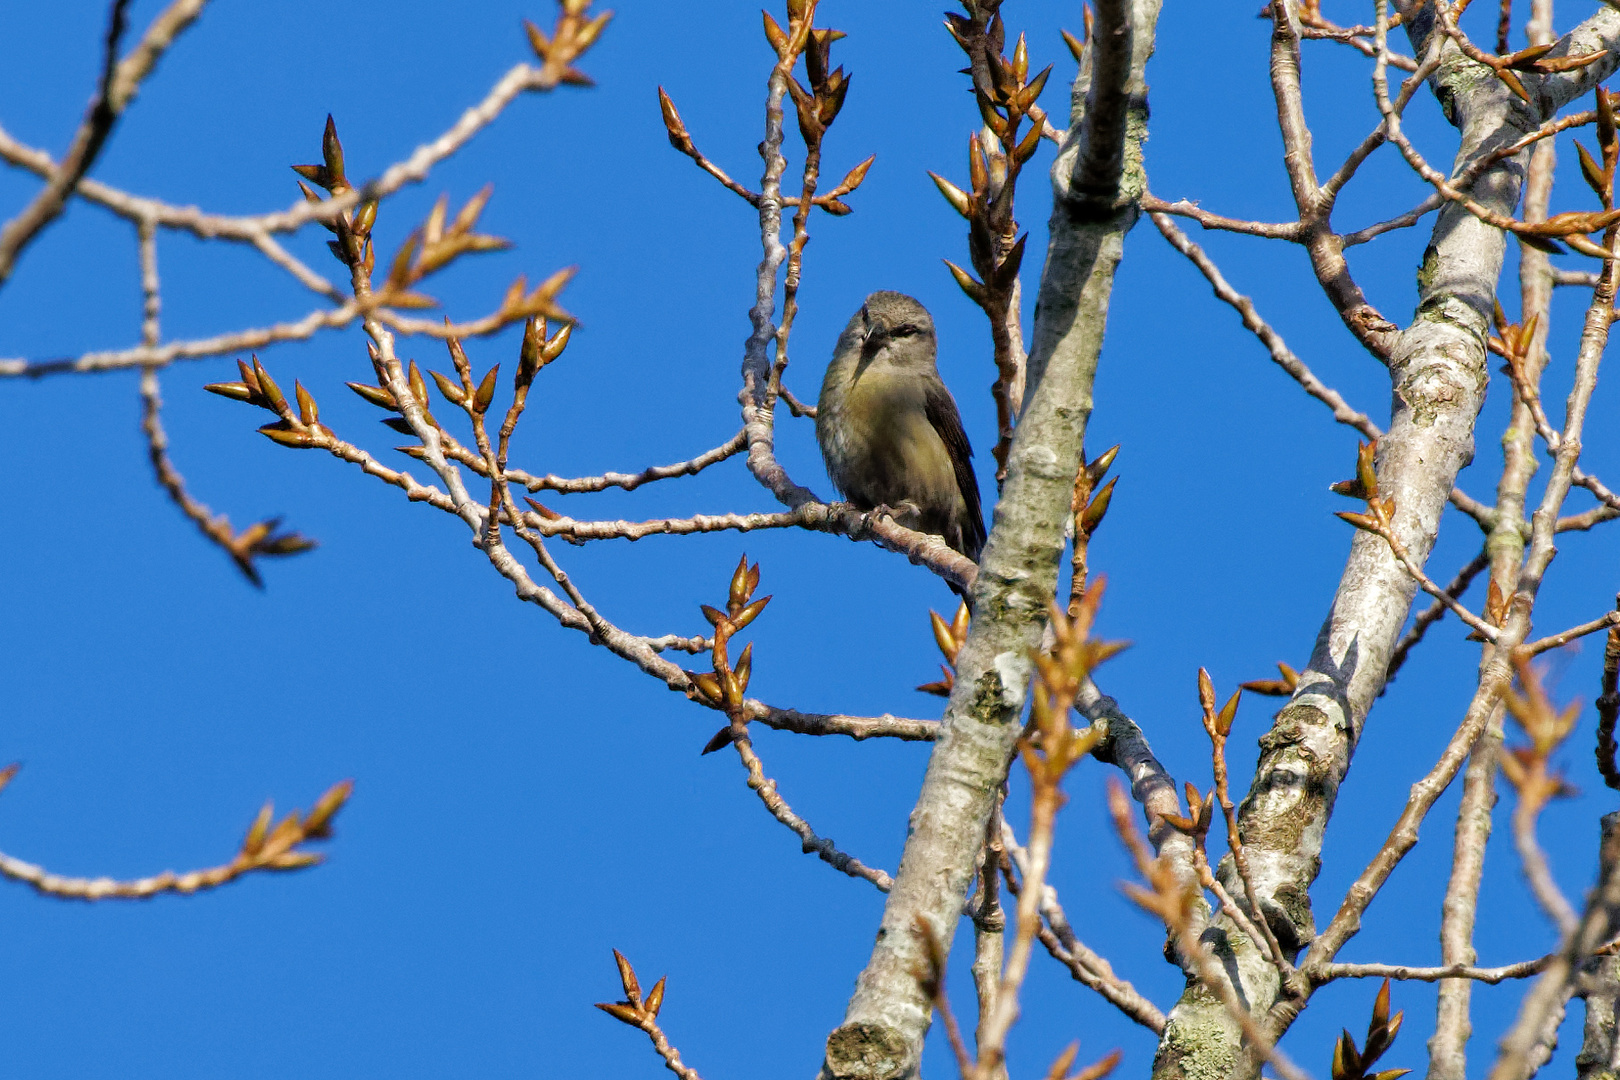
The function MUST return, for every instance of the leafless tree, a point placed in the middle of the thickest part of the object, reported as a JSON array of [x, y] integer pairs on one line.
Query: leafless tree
[[1242, 928]]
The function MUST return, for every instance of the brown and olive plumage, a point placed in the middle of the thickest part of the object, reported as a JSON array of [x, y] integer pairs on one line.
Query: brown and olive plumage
[[889, 430]]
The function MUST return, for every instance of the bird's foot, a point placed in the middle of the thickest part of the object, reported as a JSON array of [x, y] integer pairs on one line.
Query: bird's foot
[[906, 513]]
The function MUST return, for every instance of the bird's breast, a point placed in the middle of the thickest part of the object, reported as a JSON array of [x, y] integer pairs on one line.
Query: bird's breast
[[878, 442]]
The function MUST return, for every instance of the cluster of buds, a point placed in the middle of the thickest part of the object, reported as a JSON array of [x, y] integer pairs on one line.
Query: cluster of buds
[[1052, 747], [438, 242], [268, 846], [637, 1009], [1006, 97], [433, 246], [1284, 685], [475, 396], [1350, 1063], [819, 105], [1601, 177], [724, 687], [1533, 60], [1165, 895], [353, 227], [264, 539], [301, 430], [574, 32], [1380, 516], [441, 240], [1573, 226], [1528, 768], [1090, 503], [1217, 725], [949, 636], [538, 350], [1087, 505], [275, 847], [1005, 93], [1514, 343]]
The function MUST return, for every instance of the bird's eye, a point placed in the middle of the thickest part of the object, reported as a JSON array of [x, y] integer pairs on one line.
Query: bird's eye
[[905, 330]]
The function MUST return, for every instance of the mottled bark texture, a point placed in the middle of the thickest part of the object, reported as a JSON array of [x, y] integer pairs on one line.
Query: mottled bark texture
[[882, 1033], [1504, 545], [1438, 375], [1599, 1058]]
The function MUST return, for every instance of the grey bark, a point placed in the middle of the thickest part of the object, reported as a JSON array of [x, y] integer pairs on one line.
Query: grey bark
[[883, 1029], [1527, 1045], [1596, 1061], [1438, 379], [1599, 1058]]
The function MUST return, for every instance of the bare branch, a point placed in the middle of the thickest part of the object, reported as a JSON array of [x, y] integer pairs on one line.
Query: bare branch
[[120, 80], [1284, 230], [631, 481], [1280, 353], [1564, 637], [641, 1011], [1522, 1045], [1522, 970], [1433, 614], [884, 1024], [1087, 967], [265, 848], [823, 847], [1404, 221]]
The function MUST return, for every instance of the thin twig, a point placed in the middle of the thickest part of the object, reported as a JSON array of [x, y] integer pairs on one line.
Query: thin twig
[[1170, 902], [1433, 614], [120, 80], [823, 847], [1280, 353], [1537, 873], [267, 847], [631, 481], [253, 542], [1522, 970], [1271, 230], [1088, 967], [1562, 638]]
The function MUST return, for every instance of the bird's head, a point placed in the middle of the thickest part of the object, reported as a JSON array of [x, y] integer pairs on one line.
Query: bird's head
[[895, 319]]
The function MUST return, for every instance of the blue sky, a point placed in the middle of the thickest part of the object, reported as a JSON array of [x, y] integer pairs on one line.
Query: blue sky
[[524, 801]]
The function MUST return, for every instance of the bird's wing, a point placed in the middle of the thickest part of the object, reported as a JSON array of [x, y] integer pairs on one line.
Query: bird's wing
[[947, 422]]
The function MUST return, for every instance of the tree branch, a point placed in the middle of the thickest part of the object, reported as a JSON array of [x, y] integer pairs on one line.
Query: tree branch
[[882, 1032], [120, 80]]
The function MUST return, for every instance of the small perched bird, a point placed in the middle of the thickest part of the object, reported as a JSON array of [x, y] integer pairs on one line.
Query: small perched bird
[[889, 430]]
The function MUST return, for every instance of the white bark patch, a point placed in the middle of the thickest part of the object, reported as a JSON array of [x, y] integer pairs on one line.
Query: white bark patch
[[1013, 670]]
